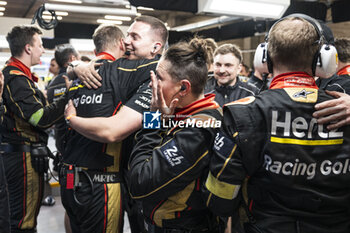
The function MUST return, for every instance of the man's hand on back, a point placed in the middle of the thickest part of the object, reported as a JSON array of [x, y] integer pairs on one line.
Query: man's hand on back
[[334, 112], [87, 74]]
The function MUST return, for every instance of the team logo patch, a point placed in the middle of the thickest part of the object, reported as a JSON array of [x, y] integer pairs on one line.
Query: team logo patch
[[151, 120], [174, 156], [303, 94], [223, 144]]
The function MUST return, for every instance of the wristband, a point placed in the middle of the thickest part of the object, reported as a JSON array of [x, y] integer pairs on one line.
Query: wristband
[[69, 117]]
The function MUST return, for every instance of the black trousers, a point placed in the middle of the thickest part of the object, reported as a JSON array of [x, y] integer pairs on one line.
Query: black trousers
[[4, 201], [25, 188]]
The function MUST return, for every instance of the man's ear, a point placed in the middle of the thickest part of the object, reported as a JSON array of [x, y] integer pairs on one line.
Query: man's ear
[[27, 49], [121, 44], [239, 68], [157, 47], [186, 87]]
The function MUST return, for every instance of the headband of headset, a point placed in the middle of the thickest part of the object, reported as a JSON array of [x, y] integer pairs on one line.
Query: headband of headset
[[325, 60]]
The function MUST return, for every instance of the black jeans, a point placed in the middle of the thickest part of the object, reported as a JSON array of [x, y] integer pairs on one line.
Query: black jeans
[[4, 201]]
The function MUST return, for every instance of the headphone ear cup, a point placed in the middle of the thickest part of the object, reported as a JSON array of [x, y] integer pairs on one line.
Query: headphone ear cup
[[326, 62], [261, 58]]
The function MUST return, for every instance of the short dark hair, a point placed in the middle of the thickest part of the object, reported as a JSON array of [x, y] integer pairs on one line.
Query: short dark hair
[[229, 48], [63, 53], [156, 25], [343, 48], [105, 36], [20, 36], [189, 61]]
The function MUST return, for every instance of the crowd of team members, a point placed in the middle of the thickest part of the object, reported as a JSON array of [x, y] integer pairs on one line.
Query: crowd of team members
[[270, 167]]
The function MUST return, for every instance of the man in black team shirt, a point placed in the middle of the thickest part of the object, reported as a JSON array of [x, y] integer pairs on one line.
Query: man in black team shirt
[[64, 55], [341, 80], [298, 170], [226, 85], [23, 137], [116, 106], [4, 200]]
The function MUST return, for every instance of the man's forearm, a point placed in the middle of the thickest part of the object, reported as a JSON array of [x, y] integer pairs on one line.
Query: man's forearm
[[108, 129], [97, 128]]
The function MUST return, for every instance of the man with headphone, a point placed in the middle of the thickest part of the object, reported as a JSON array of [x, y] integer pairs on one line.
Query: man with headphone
[[298, 171], [340, 80], [336, 113]]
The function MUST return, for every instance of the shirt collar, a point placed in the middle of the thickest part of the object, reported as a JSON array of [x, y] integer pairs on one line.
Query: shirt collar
[[106, 56], [25, 69], [293, 79]]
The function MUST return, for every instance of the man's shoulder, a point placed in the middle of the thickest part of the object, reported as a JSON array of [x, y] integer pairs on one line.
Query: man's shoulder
[[249, 86], [336, 83], [12, 71], [124, 64]]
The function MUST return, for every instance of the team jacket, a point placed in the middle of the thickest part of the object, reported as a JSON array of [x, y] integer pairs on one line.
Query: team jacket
[[28, 113], [121, 79], [2, 111], [298, 171], [339, 82], [55, 90], [226, 94], [167, 167]]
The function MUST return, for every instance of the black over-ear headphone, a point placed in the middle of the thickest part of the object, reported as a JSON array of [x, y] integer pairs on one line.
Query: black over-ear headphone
[[325, 60]]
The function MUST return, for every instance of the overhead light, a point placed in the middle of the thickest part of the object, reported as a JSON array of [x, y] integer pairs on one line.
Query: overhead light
[[3, 3], [144, 8], [109, 21], [2, 8], [82, 44], [69, 1], [252, 8], [61, 13], [50, 17], [91, 10], [205, 23], [1, 13], [114, 17]]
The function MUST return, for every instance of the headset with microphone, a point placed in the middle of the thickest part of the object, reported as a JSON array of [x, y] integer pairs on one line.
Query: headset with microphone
[[325, 60]]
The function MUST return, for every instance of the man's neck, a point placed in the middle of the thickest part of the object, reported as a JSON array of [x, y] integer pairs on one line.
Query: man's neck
[[25, 60], [117, 53], [189, 99], [277, 72]]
